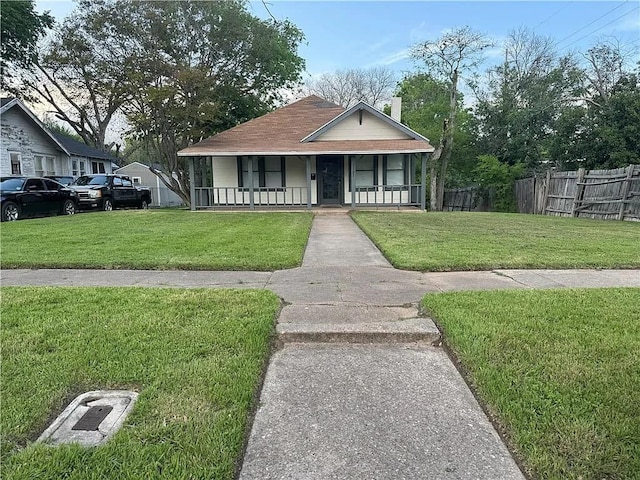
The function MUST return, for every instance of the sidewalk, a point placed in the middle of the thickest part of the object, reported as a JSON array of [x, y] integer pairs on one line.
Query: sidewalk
[[358, 390]]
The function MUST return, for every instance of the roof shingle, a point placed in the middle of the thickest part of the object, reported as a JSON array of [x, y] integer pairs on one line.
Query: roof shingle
[[280, 133]]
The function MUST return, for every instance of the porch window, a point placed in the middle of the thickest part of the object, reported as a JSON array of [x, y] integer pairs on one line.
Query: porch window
[[395, 170], [83, 168], [97, 167], [268, 172], [16, 163], [74, 168], [366, 170], [39, 168]]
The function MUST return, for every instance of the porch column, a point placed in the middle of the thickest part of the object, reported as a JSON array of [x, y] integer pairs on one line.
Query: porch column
[[192, 182], [308, 164], [250, 166], [423, 182], [352, 173]]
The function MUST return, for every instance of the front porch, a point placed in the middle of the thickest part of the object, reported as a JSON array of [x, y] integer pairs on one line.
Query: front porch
[[305, 182]]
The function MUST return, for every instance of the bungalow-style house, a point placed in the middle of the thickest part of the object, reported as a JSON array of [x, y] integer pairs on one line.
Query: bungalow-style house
[[29, 148], [161, 195], [311, 153]]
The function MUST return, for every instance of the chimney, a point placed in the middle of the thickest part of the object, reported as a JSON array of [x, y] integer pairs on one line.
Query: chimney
[[396, 108]]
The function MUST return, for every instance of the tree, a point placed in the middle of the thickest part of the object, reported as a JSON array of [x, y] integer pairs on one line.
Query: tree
[[454, 54], [527, 96], [83, 71], [207, 66], [348, 87], [20, 29], [425, 103]]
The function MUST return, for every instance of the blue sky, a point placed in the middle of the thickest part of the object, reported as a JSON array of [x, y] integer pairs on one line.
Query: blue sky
[[344, 34]]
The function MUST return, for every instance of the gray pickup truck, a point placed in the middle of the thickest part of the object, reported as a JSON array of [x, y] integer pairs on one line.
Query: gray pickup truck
[[107, 192]]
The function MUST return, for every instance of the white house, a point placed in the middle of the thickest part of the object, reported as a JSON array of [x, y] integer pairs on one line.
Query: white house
[[29, 148], [311, 153], [140, 174]]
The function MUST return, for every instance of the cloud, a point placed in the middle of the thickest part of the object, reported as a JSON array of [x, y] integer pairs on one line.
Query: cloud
[[392, 58]]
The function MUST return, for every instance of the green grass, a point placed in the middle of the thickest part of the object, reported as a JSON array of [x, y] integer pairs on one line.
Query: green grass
[[167, 239], [559, 369], [195, 356], [484, 241]]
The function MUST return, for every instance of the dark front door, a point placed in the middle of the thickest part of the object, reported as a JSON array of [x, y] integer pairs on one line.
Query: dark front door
[[330, 173]]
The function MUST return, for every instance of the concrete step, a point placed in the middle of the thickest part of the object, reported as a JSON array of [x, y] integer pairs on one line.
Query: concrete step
[[411, 330]]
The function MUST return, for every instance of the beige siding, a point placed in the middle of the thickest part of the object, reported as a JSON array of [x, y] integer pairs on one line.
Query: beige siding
[[372, 128]]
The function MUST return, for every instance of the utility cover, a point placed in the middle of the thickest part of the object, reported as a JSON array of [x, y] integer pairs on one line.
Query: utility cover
[[91, 418]]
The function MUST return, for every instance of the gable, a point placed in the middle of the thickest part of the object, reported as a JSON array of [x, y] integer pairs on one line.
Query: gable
[[362, 125]]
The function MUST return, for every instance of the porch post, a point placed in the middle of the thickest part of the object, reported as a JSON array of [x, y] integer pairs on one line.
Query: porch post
[[353, 180], [250, 166], [308, 163], [192, 183], [423, 182]]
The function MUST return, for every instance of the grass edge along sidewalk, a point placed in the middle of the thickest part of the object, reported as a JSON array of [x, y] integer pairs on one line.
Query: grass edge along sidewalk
[[455, 241], [559, 371], [195, 356], [158, 239]]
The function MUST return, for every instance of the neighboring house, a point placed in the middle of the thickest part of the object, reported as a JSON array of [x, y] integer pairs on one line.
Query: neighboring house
[[161, 195], [29, 148], [311, 153]]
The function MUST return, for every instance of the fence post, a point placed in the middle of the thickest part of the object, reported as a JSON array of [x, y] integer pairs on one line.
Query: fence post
[[547, 186], [577, 198], [626, 186], [192, 182]]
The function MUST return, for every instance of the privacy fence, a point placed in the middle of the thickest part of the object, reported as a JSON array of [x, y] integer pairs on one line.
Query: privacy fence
[[603, 194], [468, 199]]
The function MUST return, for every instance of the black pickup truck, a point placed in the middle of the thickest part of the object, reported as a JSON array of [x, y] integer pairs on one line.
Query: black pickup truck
[[107, 192]]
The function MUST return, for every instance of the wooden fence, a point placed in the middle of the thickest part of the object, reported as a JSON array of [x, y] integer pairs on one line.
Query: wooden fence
[[604, 194], [469, 199]]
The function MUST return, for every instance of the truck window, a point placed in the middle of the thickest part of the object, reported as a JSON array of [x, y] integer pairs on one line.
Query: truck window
[[126, 182], [117, 182]]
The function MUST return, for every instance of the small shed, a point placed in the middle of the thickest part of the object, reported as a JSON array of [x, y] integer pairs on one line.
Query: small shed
[[140, 174]]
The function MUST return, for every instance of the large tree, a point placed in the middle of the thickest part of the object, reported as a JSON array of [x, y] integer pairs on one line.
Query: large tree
[[20, 29], [206, 67], [528, 98], [454, 55], [178, 71], [348, 87], [425, 103]]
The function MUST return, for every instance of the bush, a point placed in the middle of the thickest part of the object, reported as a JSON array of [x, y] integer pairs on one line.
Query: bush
[[491, 174]]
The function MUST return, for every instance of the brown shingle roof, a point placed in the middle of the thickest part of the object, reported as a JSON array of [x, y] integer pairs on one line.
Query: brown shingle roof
[[280, 132]]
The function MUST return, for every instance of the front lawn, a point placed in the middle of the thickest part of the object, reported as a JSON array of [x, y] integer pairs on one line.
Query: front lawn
[[559, 369], [166, 239], [446, 241], [195, 356]]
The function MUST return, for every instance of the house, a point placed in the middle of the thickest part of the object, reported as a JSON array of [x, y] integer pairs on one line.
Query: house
[[28, 147], [140, 174], [311, 153]]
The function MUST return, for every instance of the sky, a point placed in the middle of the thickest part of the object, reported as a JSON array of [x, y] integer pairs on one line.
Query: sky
[[362, 34]]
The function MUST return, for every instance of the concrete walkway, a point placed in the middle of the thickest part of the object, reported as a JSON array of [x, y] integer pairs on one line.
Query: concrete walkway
[[358, 389]]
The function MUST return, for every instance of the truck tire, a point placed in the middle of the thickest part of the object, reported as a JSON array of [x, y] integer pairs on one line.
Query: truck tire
[[69, 207], [144, 204], [107, 205]]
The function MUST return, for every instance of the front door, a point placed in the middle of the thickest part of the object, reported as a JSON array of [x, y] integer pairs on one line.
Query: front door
[[330, 173]]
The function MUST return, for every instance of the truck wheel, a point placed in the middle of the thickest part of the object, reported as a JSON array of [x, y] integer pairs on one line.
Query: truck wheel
[[69, 208], [107, 205], [10, 212], [144, 205]]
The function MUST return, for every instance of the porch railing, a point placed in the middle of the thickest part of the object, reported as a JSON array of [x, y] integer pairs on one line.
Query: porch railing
[[208, 197], [409, 195]]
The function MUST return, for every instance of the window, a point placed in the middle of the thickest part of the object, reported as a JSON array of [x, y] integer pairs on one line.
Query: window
[[16, 163], [74, 168], [268, 172], [97, 167], [126, 182], [366, 170], [52, 185], [137, 180], [34, 184], [117, 182], [83, 168], [50, 165], [38, 163], [395, 170]]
